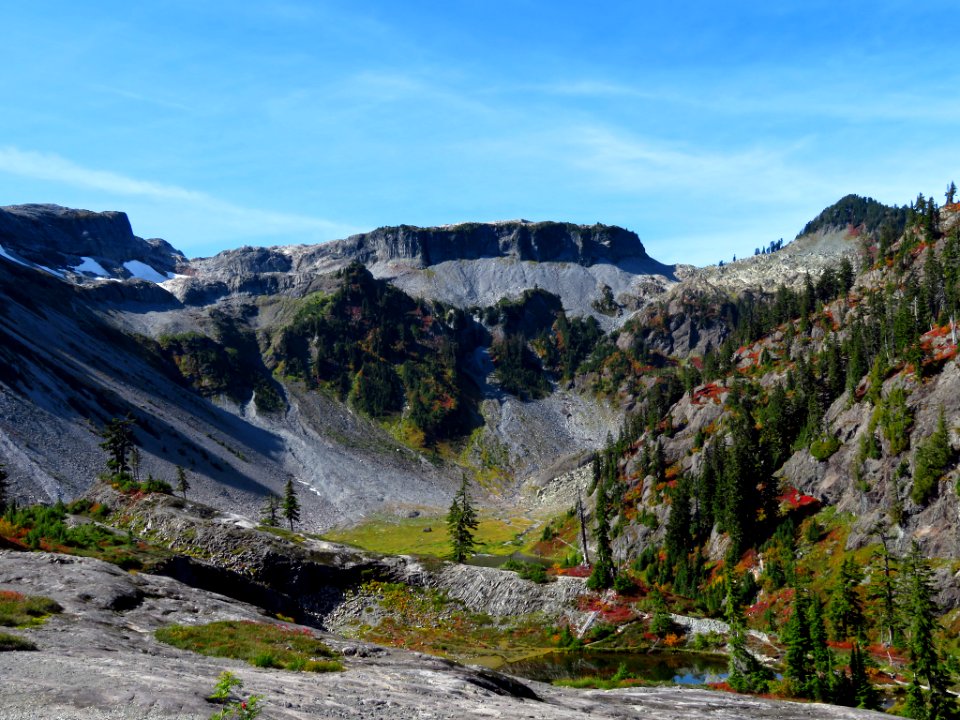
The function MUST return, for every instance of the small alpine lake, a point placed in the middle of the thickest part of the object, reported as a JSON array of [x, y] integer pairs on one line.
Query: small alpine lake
[[658, 667]]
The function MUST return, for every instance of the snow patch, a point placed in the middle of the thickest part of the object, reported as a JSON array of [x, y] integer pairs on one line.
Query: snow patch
[[143, 271], [11, 258], [55, 273], [90, 266]]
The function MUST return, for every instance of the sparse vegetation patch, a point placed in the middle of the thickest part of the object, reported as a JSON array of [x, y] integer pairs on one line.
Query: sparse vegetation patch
[[263, 645]]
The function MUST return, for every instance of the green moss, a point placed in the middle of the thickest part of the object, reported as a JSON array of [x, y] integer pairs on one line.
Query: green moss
[[10, 642], [19, 610], [260, 644]]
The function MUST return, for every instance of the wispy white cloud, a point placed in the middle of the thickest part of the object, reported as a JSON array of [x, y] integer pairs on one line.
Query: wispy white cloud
[[245, 220], [141, 98], [771, 92], [625, 163]]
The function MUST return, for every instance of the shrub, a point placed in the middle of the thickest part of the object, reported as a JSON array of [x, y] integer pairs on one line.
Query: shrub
[[600, 631], [527, 570], [568, 640], [18, 610], [824, 447], [13, 642], [931, 462], [624, 584], [239, 708], [896, 419], [260, 644]]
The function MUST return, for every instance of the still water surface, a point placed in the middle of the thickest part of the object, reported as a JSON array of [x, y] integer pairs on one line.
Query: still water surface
[[682, 668]]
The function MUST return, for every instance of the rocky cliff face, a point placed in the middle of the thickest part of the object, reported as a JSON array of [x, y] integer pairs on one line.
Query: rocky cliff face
[[467, 265], [525, 241], [84, 245]]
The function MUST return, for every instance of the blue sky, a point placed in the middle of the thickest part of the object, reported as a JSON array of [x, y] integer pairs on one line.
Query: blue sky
[[708, 128]]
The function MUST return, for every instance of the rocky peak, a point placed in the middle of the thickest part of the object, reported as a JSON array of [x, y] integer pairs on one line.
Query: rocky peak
[[83, 244], [519, 239]]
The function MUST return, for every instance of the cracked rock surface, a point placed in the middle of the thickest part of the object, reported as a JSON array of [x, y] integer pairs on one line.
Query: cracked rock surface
[[99, 659]]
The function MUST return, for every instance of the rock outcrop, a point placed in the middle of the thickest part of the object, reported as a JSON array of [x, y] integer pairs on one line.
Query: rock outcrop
[[99, 659], [84, 245]]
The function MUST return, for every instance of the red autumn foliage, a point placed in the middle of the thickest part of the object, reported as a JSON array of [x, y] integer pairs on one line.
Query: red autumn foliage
[[580, 571], [796, 500], [710, 391]]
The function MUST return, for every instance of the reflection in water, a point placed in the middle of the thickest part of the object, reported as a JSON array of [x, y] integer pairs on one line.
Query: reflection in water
[[682, 668]]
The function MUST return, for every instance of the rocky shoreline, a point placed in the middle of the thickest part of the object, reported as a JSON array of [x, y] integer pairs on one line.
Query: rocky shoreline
[[99, 659]]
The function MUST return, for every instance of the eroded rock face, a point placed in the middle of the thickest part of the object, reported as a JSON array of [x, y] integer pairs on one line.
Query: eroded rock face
[[99, 659], [522, 240], [61, 238]]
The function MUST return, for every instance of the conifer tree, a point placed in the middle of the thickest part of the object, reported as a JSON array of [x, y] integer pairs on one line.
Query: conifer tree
[[269, 513], [602, 574], [799, 669], [679, 538], [290, 505], [135, 461], [461, 524], [883, 589], [4, 487], [826, 680], [183, 484], [864, 694], [809, 662], [926, 665], [118, 442], [659, 469], [931, 462], [845, 609], [746, 673]]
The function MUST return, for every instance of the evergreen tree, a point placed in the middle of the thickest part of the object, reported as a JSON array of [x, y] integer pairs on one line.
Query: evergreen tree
[[845, 609], [679, 538], [659, 469], [809, 662], [883, 589], [602, 574], [826, 683], [799, 670], [118, 442], [461, 524], [931, 462], [135, 460], [864, 694], [291, 505], [4, 487], [270, 512], [746, 673], [183, 484], [926, 664]]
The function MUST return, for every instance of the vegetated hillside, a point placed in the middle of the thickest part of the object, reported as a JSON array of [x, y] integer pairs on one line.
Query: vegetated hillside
[[789, 459], [843, 393], [863, 215], [371, 398]]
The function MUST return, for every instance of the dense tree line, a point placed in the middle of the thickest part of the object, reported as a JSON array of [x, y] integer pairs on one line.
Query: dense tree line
[[382, 350]]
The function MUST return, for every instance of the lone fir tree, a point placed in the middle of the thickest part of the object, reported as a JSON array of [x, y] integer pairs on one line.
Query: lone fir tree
[[602, 574], [183, 484], [461, 524], [118, 443], [290, 505]]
